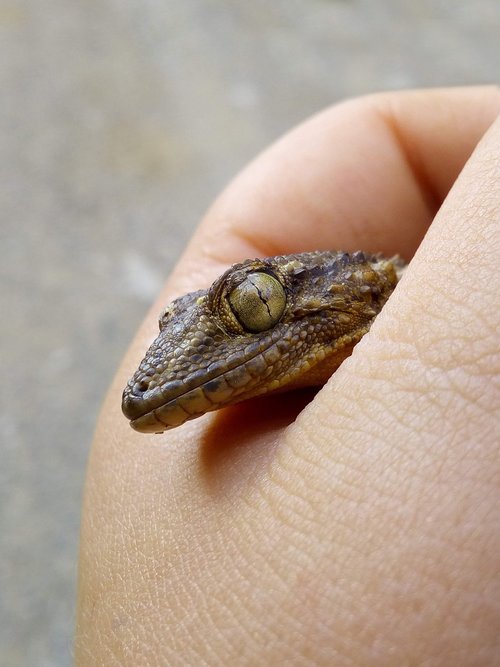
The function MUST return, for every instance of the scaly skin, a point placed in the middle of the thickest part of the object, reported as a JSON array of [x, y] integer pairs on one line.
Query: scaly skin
[[264, 325]]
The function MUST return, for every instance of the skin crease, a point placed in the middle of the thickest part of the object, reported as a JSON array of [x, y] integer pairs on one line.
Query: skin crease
[[358, 526]]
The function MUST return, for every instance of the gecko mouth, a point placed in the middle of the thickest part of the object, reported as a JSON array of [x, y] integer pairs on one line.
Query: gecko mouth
[[162, 408]]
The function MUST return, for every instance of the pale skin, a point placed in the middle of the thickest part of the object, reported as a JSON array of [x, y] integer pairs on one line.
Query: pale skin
[[358, 526]]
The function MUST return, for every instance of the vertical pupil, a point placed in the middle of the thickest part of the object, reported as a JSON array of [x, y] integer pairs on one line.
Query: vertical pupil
[[258, 302]]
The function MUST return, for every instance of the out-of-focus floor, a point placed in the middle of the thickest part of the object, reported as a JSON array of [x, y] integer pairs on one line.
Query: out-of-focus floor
[[119, 122]]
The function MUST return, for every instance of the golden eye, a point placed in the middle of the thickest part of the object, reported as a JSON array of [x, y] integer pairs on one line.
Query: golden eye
[[258, 302]]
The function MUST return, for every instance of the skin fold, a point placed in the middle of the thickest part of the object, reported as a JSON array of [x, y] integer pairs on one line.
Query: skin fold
[[358, 525]]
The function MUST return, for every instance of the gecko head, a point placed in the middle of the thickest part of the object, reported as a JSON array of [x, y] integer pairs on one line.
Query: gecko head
[[262, 325], [214, 347]]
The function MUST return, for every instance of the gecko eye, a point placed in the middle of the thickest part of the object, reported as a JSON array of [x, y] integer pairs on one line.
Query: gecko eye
[[258, 302]]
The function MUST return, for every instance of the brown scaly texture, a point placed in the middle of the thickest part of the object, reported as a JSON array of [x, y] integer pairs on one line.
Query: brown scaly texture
[[264, 325]]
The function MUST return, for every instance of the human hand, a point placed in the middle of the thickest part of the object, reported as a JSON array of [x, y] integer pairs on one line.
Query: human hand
[[361, 528]]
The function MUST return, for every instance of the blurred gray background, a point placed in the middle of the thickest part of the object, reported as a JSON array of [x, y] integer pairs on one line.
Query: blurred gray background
[[119, 122]]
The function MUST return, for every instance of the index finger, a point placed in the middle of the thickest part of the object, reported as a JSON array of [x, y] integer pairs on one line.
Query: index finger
[[368, 174]]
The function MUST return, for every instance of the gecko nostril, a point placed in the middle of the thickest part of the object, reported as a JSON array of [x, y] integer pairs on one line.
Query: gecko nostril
[[142, 386]]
